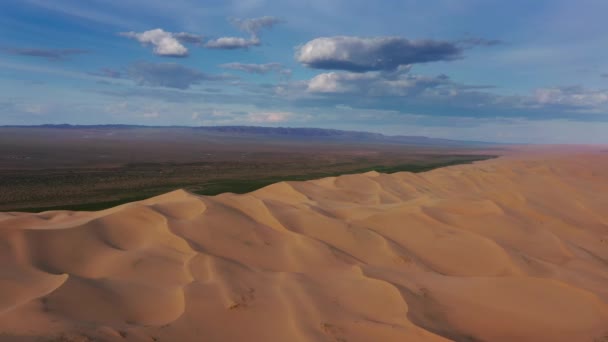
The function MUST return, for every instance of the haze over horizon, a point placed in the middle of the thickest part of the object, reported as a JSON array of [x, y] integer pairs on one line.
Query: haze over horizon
[[516, 72]]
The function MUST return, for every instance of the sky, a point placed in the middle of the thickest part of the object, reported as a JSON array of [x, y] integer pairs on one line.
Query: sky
[[516, 71]]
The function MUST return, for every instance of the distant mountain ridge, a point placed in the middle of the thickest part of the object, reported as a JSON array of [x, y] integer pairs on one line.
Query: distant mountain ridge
[[292, 132]]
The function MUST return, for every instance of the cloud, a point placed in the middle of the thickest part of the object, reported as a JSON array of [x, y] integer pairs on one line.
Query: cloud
[[252, 26], [358, 54], [188, 38], [255, 25], [398, 83], [401, 90], [334, 82], [168, 75], [232, 43], [50, 54], [574, 97], [604, 75], [257, 68], [165, 43]]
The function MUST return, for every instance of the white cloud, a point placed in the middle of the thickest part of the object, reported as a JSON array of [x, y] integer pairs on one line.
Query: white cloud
[[359, 54], [252, 26], [573, 96], [337, 82], [232, 43], [165, 43], [399, 83]]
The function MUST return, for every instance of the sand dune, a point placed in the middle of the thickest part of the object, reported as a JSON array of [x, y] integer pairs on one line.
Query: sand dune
[[512, 249]]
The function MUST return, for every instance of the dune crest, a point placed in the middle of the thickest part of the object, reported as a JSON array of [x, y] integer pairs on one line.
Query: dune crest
[[513, 249]]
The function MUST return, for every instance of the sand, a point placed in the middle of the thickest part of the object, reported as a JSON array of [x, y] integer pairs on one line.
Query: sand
[[511, 249]]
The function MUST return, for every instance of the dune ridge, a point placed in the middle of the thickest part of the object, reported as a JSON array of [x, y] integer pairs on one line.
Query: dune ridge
[[511, 249]]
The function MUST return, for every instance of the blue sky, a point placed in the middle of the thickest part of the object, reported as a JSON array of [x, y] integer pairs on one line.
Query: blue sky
[[508, 71]]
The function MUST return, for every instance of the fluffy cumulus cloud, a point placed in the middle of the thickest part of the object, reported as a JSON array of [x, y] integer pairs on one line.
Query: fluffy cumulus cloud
[[50, 54], [165, 43], [257, 68], [168, 75], [252, 26], [358, 54]]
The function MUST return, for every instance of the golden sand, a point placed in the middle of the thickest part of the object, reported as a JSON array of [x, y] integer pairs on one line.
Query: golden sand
[[512, 249]]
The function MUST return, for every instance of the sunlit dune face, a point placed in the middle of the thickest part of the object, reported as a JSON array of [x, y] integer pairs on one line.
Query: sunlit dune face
[[504, 249]]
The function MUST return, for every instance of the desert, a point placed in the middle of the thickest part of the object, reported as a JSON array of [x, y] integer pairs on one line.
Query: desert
[[507, 249], [303, 171]]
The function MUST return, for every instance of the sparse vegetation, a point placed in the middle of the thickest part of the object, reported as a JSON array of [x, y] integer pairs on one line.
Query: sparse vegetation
[[115, 166]]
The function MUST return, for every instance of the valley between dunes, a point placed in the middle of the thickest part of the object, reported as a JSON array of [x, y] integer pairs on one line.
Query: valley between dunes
[[511, 249]]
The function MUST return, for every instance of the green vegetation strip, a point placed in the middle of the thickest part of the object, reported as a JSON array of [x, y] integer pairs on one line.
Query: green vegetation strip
[[242, 186], [239, 186]]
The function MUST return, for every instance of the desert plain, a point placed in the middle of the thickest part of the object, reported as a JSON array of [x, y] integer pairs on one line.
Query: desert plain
[[508, 249], [64, 167]]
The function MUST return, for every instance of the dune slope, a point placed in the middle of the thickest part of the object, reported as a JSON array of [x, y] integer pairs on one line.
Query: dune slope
[[514, 249]]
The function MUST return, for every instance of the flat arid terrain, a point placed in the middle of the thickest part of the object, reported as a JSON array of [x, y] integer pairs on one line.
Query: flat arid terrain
[[507, 249], [99, 167]]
